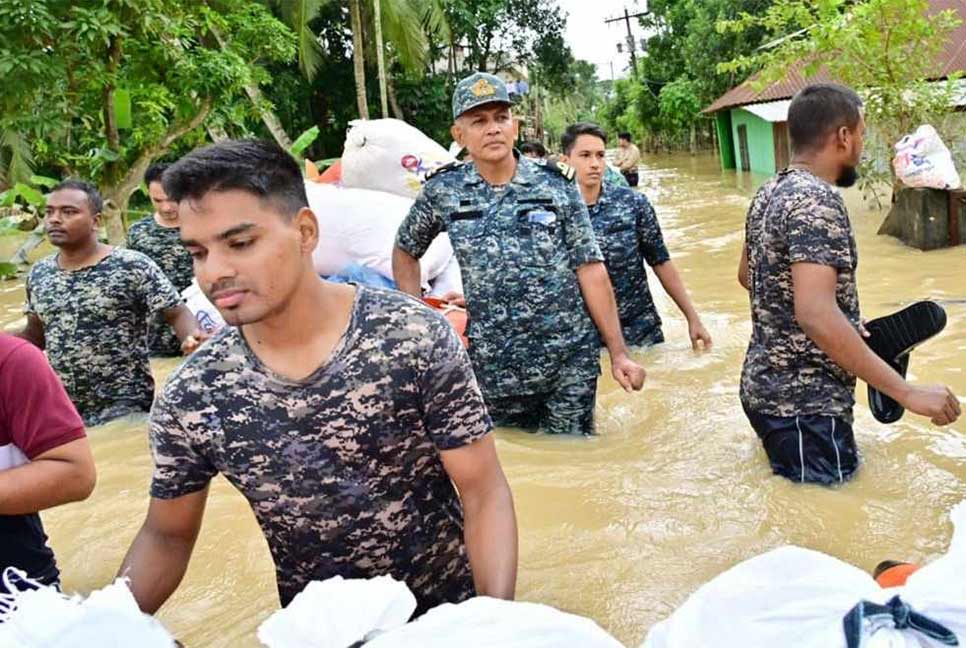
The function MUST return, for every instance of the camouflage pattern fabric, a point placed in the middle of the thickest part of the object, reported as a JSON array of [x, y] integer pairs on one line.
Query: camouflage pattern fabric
[[569, 409], [95, 321], [629, 235], [478, 89], [614, 177], [163, 246], [796, 218], [518, 249], [342, 469]]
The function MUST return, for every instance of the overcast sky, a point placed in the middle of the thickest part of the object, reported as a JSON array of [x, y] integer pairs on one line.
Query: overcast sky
[[592, 40]]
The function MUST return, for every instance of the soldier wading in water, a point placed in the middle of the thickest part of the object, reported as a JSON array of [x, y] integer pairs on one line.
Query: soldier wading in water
[[343, 414]]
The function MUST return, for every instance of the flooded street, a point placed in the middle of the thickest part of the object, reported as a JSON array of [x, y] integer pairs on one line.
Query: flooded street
[[675, 489]]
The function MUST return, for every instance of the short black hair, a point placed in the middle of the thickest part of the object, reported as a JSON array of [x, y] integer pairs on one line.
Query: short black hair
[[818, 110], [624, 136], [155, 171], [534, 147], [569, 138], [94, 200], [260, 167]]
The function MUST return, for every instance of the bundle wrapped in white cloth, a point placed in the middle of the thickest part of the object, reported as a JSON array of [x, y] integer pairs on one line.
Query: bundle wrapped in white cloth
[[389, 155], [797, 598], [358, 226], [339, 613], [35, 615]]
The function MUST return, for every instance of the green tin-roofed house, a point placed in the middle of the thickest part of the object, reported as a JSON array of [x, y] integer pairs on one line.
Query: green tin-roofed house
[[752, 126]]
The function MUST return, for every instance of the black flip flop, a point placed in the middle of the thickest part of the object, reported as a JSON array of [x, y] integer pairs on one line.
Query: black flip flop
[[892, 338]]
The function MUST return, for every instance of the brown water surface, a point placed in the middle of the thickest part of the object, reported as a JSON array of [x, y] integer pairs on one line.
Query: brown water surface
[[622, 527]]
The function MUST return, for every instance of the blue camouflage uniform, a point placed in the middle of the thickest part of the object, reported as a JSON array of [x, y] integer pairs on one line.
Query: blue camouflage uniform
[[534, 347], [629, 234]]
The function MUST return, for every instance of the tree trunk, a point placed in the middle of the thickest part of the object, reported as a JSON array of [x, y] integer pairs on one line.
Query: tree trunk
[[380, 58], [117, 198], [111, 134], [358, 59], [269, 118], [694, 139], [397, 111]]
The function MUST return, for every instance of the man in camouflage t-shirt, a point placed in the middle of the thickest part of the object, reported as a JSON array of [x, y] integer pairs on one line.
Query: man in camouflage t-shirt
[[799, 264], [159, 238], [88, 307], [348, 417], [629, 235]]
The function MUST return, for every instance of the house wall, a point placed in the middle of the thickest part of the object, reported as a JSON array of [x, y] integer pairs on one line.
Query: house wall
[[726, 143], [761, 142]]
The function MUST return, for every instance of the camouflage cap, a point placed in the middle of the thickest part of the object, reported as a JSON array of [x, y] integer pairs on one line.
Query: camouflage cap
[[478, 89]]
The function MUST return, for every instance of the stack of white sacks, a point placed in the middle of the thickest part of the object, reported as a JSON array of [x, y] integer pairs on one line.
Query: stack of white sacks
[[789, 597], [384, 164]]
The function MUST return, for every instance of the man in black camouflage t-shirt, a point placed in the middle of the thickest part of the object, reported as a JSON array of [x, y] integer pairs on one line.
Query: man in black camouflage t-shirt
[[799, 263], [159, 238], [348, 417], [88, 307]]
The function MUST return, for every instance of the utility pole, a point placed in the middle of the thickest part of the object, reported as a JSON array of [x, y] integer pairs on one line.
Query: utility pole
[[631, 47]]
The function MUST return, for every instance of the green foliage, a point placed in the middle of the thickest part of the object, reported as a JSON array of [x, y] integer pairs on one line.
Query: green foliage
[[62, 63], [678, 76], [304, 141], [885, 49]]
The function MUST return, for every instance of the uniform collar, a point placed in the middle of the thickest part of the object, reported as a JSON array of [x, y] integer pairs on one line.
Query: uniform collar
[[526, 173], [604, 196]]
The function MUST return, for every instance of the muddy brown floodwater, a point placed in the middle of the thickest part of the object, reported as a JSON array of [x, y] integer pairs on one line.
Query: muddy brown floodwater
[[621, 527]]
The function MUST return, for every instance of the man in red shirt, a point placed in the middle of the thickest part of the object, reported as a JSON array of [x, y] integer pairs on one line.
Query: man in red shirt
[[45, 459]]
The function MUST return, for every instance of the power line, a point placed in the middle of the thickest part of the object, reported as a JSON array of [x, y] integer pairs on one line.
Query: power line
[[631, 47]]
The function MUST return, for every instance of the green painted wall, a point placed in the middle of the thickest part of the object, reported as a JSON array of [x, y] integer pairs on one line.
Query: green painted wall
[[761, 141], [726, 143]]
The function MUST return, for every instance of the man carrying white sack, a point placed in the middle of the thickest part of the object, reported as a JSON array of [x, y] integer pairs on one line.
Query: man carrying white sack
[[347, 416]]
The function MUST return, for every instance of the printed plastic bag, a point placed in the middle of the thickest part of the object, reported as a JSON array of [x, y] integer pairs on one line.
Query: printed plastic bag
[[922, 160], [358, 226], [35, 615], [389, 155], [799, 598], [209, 319], [338, 613]]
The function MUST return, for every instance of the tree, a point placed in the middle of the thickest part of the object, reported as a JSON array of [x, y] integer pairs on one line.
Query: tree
[[101, 89], [885, 49]]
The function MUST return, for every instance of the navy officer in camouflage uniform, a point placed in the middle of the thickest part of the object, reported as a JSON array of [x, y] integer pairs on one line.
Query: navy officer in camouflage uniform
[[629, 236], [89, 304], [534, 275], [348, 417], [798, 264], [159, 238]]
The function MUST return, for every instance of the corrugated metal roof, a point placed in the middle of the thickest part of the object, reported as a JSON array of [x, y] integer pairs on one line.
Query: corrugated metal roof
[[952, 59]]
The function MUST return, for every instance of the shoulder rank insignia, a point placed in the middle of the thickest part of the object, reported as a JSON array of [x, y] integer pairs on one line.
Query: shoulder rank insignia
[[443, 169], [565, 170]]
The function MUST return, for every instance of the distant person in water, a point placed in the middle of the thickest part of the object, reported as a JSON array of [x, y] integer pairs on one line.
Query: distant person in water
[[159, 238], [89, 304], [799, 265], [628, 157], [629, 235]]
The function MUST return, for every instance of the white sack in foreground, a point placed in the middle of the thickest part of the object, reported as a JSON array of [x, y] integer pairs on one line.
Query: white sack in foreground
[[797, 598]]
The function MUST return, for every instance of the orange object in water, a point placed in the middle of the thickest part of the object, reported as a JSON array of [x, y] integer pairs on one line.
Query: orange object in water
[[896, 575], [332, 174], [455, 315]]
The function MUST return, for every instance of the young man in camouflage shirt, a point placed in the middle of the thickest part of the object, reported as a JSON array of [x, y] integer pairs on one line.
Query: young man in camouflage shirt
[[347, 416], [799, 264], [159, 238], [88, 307], [629, 235]]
